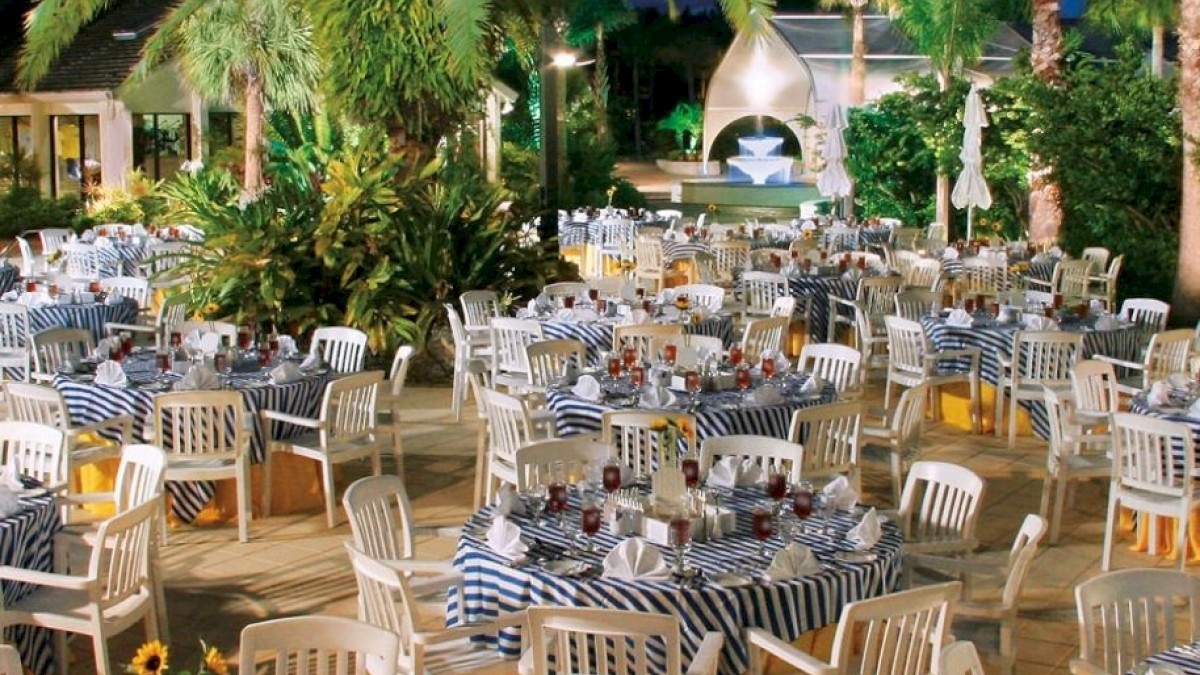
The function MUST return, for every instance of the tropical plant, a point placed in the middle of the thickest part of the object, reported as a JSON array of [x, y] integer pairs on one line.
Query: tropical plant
[[259, 52], [1186, 296], [137, 200], [17, 170], [589, 23], [1133, 17], [24, 209], [686, 122]]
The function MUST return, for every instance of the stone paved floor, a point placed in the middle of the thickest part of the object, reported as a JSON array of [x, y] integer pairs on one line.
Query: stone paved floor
[[295, 565]]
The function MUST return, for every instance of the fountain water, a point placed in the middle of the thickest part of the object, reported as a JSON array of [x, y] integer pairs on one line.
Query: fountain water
[[760, 161]]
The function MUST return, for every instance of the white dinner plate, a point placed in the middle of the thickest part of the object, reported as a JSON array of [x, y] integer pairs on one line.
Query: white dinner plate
[[567, 568], [732, 580]]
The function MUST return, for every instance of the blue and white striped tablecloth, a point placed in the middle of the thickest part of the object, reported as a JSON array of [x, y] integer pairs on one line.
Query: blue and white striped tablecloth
[[91, 317], [27, 542], [121, 259], [874, 237], [784, 608], [1042, 270], [1184, 657], [597, 337], [717, 416], [995, 342], [8, 277], [819, 288], [90, 403]]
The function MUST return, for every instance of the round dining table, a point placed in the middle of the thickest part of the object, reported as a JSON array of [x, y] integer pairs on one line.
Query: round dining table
[[1185, 658], [712, 601], [90, 403], [27, 542], [1180, 414], [90, 316], [994, 340], [8, 277], [597, 335], [818, 288], [718, 413]]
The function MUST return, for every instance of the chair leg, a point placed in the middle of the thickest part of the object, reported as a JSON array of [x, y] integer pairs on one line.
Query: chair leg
[[61, 656], [456, 395], [1056, 519], [887, 394], [243, 500], [266, 480], [157, 587], [330, 502], [976, 407], [481, 467], [397, 442], [1047, 488], [100, 646], [998, 414], [897, 476], [1181, 539], [1110, 529], [1012, 420], [1007, 647]]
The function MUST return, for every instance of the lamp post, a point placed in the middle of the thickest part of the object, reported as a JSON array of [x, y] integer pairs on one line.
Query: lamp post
[[555, 59]]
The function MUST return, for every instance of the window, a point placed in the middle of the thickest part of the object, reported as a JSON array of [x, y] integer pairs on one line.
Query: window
[[16, 152], [161, 143], [223, 130], [75, 142]]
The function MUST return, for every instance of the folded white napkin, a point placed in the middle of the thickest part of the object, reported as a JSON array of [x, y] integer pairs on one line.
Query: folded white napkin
[[85, 297], [10, 296], [110, 374], [808, 225], [88, 236], [113, 298], [729, 472], [106, 346], [586, 314], [191, 341], [767, 394], [840, 494], [531, 309], [9, 504], [587, 388], [508, 502], [813, 385], [1108, 322], [10, 476], [853, 274], [199, 378], [36, 300], [285, 373], [1035, 322], [959, 318], [564, 314], [504, 537], [313, 360], [667, 296], [867, 533], [210, 343], [951, 253], [103, 242], [1159, 395], [287, 345], [794, 560], [1096, 306], [656, 397], [635, 559], [1056, 251]]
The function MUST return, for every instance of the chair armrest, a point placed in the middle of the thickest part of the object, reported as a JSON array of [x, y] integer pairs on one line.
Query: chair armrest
[[1132, 365], [422, 567], [708, 657], [960, 565], [762, 641], [275, 415], [65, 581], [131, 327], [509, 620], [88, 498], [972, 353], [123, 424]]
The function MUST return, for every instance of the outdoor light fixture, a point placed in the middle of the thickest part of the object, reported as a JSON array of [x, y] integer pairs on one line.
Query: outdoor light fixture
[[563, 59]]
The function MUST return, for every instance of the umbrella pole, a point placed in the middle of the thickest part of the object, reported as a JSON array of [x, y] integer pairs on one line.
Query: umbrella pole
[[970, 223]]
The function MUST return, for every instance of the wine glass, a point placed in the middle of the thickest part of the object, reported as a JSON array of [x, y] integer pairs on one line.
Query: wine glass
[[743, 382], [593, 295], [637, 376], [589, 522], [690, 466], [629, 357], [612, 475], [614, 367], [670, 352], [534, 497], [679, 536], [735, 355], [776, 486], [691, 381], [768, 368], [763, 526], [802, 501]]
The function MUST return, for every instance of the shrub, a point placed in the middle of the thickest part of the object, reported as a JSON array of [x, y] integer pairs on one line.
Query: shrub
[[24, 209]]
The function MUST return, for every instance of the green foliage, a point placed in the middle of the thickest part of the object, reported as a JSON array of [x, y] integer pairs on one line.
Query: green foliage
[[348, 234], [686, 122], [18, 170], [23, 209], [1113, 138], [897, 145], [952, 33], [137, 201]]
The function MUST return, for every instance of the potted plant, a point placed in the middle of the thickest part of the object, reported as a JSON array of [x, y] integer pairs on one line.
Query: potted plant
[[686, 123]]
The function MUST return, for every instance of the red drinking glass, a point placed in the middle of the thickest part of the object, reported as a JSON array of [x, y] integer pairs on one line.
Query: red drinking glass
[[593, 294], [264, 355], [164, 361], [1048, 311], [1058, 300], [641, 292], [590, 522], [980, 300], [669, 354], [176, 339], [969, 305], [612, 477], [629, 356], [127, 344], [762, 523], [735, 355], [681, 531], [843, 266], [647, 305], [31, 287], [243, 338], [614, 367], [557, 502], [1082, 310], [994, 309], [690, 466], [53, 290], [776, 485], [94, 287], [768, 367], [569, 301], [802, 503], [601, 305], [861, 263], [691, 380], [220, 361], [273, 344], [637, 376]]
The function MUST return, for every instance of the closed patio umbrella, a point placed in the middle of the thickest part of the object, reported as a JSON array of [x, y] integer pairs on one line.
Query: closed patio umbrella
[[834, 181], [971, 190]]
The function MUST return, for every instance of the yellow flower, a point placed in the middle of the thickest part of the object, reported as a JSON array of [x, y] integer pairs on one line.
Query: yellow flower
[[211, 309], [658, 424], [687, 430], [215, 662], [151, 659], [712, 208]]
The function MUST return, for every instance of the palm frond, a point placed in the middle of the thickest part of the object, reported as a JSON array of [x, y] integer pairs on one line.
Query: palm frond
[[49, 28], [748, 16], [466, 24], [161, 43]]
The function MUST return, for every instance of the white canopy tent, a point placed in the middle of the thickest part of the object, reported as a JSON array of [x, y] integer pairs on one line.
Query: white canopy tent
[[800, 65]]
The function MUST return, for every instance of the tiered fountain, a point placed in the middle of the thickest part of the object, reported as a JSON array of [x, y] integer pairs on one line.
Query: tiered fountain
[[761, 161]]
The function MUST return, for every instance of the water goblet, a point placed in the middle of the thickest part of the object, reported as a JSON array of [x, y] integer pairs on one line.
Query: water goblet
[[768, 368], [589, 523], [762, 524], [612, 475], [679, 536], [670, 352], [743, 382], [690, 466], [735, 355], [802, 501], [691, 381]]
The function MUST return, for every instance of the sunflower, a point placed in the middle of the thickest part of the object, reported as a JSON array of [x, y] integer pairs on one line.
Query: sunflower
[[151, 659], [211, 308], [687, 430], [658, 425], [214, 661]]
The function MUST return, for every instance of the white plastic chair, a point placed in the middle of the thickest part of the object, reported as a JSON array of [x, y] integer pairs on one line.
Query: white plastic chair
[[767, 452], [172, 311], [924, 273], [1039, 359], [318, 645], [731, 258], [630, 433], [223, 329], [1127, 616], [1072, 455], [651, 263], [831, 436], [479, 308], [381, 522], [82, 260], [900, 433], [913, 304], [562, 289], [15, 339], [346, 430], [982, 276], [939, 508], [764, 335], [58, 347], [576, 454], [344, 349], [389, 400], [1168, 353], [639, 337], [45, 405], [1104, 284], [1154, 474], [759, 292], [133, 288], [712, 344], [31, 264], [583, 640], [1096, 255], [53, 238], [1001, 610], [915, 361], [551, 360], [898, 633], [204, 436], [833, 363], [387, 602], [114, 594], [509, 427], [707, 296], [10, 661], [510, 361], [35, 450], [466, 350], [1148, 313]]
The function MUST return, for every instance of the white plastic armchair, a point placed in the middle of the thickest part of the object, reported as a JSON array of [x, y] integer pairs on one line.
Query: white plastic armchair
[[1167, 353], [58, 347], [45, 405], [318, 645], [899, 633], [769, 453], [344, 349], [578, 455], [939, 508], [610, 641]]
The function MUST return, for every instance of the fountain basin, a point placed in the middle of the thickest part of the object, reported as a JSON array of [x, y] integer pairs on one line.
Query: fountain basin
[[762, 170], [760, 146]]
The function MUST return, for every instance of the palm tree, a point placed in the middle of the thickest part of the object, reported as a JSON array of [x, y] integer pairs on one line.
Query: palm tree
[[588, 24], [952, 34], [258, 51], [1126, 16], [1186, 305], [1045, 210], [858, 58]]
